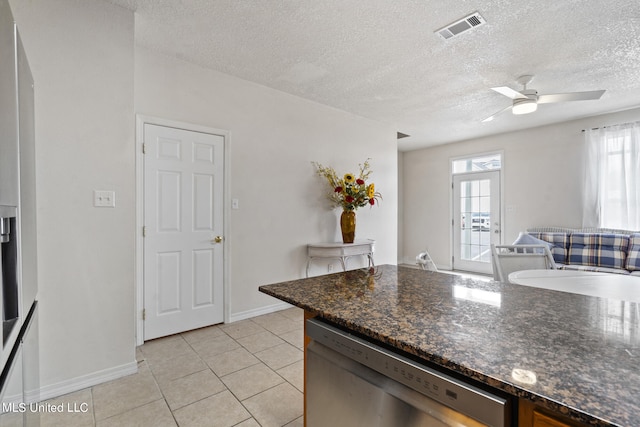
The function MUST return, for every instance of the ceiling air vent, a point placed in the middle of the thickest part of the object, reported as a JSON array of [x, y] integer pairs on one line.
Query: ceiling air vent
[[464, 24]]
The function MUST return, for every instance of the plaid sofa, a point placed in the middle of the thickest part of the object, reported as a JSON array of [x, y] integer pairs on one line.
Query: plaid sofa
[[606, 250]]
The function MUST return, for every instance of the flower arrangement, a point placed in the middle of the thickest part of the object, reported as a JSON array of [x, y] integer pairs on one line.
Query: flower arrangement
[[349, 192]]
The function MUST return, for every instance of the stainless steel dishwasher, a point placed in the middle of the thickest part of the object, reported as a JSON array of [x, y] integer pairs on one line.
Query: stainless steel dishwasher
[[352, 382]]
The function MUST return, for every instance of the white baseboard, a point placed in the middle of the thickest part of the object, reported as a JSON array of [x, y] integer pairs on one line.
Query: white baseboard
[[84, 381], [258, 311]]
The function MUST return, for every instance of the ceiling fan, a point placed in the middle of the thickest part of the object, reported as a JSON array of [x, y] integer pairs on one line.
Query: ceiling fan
[[526, 101]]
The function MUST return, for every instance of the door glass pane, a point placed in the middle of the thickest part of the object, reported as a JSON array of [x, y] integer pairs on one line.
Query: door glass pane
[[485, 204], [475, 203], [485, 187]]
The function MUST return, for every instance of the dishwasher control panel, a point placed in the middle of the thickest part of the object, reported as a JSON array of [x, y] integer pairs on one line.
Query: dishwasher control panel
[[477, 403]]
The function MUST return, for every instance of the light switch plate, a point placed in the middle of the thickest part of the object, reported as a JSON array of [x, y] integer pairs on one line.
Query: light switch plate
[[104, 199]]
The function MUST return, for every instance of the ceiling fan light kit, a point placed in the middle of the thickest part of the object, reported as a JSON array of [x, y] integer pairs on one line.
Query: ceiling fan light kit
[[526, 101], [524, 106]]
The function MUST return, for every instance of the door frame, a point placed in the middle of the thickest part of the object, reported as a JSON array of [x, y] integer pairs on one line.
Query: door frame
[[141, 120], [452, 249]]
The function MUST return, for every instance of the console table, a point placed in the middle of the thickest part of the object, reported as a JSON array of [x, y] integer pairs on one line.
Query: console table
[[341, 251]]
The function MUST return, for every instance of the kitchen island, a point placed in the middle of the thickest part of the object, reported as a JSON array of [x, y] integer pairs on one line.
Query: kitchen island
[[575, 358]]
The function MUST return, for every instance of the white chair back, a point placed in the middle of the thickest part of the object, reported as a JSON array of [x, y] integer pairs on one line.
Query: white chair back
[[509, 258]]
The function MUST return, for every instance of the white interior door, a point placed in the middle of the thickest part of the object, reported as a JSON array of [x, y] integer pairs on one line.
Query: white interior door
[[183, 220], [476, 220]]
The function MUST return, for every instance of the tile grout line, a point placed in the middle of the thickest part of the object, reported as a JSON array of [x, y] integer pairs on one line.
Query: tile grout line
[[95, 420], [225, 385], [144, 361], [207, 368], [93, 407], [285, 381]]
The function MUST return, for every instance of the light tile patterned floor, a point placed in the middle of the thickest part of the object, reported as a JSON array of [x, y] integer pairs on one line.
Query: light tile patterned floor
[[246, 374]]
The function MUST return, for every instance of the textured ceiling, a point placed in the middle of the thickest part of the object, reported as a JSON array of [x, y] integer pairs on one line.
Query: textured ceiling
[[381, 59]]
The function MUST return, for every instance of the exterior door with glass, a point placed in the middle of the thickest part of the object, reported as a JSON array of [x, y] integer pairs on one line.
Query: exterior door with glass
[[476, 220]]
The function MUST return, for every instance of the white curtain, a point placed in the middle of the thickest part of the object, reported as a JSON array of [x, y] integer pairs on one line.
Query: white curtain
[[612, 177]]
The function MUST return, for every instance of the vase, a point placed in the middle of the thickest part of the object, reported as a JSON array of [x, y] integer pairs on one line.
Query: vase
[[348, 226]]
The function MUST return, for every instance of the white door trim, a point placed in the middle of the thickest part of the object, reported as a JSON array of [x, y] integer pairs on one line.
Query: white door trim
[[141, 120]]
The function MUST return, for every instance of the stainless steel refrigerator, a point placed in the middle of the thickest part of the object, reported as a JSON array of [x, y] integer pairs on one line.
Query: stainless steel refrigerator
[[19, 377]]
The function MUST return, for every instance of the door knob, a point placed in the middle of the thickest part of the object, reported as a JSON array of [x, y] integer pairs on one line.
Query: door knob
[[217, 239]]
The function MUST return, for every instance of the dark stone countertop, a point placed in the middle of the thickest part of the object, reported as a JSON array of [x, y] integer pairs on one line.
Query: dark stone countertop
[[576, 355]]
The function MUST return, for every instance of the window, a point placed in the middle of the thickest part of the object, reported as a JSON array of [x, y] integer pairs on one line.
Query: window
[[612, 177], [477, 164]]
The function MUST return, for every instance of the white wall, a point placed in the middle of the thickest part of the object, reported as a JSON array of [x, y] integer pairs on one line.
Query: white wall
[[542, 180], [273, 139], [81, 56]]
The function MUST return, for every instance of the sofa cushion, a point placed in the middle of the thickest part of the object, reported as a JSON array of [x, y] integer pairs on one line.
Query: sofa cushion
[[633, 257], [598, 250], [559, 242]]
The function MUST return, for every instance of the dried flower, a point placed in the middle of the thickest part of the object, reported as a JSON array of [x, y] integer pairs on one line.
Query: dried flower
[[371, 191], [350, 192]]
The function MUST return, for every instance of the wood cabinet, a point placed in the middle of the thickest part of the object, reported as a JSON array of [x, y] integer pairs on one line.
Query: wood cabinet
[[532, 415], [307, 315]]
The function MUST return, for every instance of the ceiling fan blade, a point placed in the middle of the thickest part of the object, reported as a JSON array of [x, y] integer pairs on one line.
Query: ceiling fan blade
[[508, 92], [488, 119], [572, 96]]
